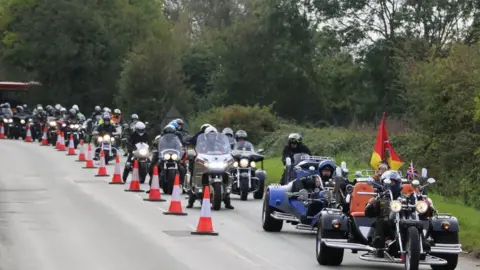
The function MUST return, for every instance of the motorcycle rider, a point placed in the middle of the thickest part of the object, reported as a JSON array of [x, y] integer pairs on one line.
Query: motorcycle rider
[[26, 109], [96, 112], [210, 144], [128, 128], [7, 111], [241, 141], [105, 127], [380, 210], [40, 115], [19, 111], [383, 167], [138, 136], [293, 147], [229, 133], [117, 116], [181, 127], [193, 140]]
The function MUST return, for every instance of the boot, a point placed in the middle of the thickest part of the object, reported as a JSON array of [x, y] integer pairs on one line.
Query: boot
[[379, 245], [125, 175], [228, 203]]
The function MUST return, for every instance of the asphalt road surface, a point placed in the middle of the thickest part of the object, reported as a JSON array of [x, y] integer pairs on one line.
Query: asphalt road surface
[[56, 215]]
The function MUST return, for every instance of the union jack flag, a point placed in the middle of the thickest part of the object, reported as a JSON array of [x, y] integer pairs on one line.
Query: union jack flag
[[411, 172]]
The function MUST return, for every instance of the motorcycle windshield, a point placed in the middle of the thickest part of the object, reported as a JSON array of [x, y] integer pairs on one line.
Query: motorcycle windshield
[[244, 146], [213, 144], [169, 141], [297, 158]]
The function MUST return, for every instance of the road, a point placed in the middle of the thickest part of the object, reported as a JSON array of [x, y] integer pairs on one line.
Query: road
[[56, 215]]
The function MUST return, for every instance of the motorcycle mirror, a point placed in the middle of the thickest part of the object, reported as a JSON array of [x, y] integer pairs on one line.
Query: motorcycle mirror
[[431, 180], [338, 171], [415, 183], [288, 161], [358, 173], [343, 165], [424, 172], [260, 151]]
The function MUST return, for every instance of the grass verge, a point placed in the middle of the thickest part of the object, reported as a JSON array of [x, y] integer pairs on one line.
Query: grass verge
[[468, 217]]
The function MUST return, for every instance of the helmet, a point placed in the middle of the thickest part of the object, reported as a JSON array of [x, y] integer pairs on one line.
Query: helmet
[[228, 131], [179, 121], [174, 124], [75, 107], [396, 179], [241, 134], [134, 117], [106, 109], [204, 127], [39, 108], [140, 128], [72, 111], [169, 129], [210, 133], [58, 106], [97, 108], [106, 116], [117, 111], [295, 138], [25, 106], [63, 110], [19, 108]]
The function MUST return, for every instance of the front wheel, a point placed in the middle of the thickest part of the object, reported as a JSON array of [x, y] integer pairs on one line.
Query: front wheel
[[217, 195], [258, 195], [142, 172], [452, 259], [327, 255], [243, 189], [270, 224], [107, 156], [412, 248]]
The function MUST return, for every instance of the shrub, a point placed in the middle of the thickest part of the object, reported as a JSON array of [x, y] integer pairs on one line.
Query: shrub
[[257, 121]]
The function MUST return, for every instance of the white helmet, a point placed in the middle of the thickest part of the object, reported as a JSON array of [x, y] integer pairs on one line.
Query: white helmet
[[210, 129], [75, 107], [140, 128]]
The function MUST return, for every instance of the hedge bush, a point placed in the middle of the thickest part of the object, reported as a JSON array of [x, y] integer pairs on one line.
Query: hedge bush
[[257, 121]]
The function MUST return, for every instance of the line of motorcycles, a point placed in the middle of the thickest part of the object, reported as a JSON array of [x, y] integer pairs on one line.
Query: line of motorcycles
[[211, 163], [419, 235]]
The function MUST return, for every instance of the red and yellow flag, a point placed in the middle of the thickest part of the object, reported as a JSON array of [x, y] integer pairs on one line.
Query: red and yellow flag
[[383, 145]]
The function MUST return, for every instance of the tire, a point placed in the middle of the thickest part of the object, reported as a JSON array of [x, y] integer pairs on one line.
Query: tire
[[327, 255], [412, 246], [168, 182], [243, 189], [452, 259], [258, 195], [217, 196], [142, 173], [107, 157], [270, 224]]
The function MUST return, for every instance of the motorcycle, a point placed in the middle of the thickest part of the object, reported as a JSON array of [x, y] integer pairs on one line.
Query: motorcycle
[[246, 177], [142, 155], [170, 153], [76, 130], [14, 127], [213, 161], [52, 129], [107, 144]]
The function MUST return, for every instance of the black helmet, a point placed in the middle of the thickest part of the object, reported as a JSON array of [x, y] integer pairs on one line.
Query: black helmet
[[241, 134], [169, 129], [295, 138]]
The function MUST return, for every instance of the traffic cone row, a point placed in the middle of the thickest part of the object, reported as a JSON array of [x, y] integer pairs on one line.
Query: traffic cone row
[[204, 227]]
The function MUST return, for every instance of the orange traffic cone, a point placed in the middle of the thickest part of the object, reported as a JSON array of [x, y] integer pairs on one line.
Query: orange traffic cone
[[71, 147], [102, 170], [28, 138], [89, 164], [57, 144], [205, 226], [81, 155], [135, 183], [117, 177], [2, 131], [44, 137], [155, 195], [175, 203], [62, 142]]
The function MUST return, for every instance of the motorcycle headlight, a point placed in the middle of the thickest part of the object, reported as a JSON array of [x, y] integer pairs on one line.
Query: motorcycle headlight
[[166, 156], [174, 156], [395, 206], [112, 139], [52, 123], [253, 164], [5, 120], [243, 162], [106, 138], [72, 126], [143, 152], [421, 207], [64, 125], [22, 121], [235, 164], [217, 165], [99, 139], [10, 120]]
